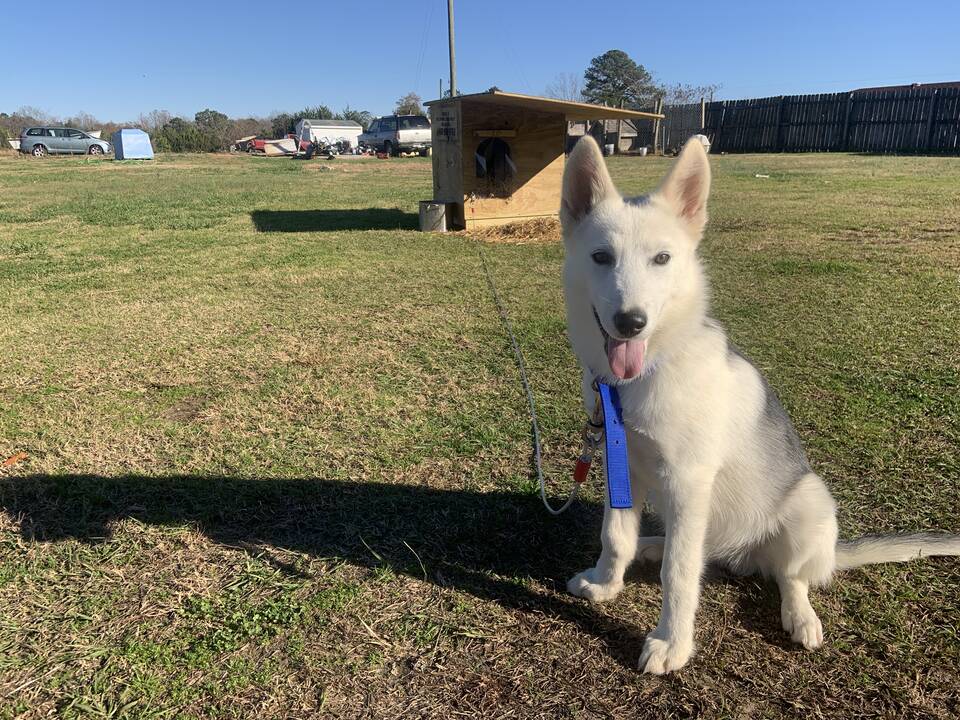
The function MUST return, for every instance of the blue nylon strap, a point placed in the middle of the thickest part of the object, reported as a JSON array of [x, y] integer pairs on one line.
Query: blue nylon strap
[[615, 448]]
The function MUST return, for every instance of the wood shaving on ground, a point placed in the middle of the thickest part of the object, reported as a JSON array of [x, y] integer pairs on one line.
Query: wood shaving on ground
[[14, 459], [527, 232]]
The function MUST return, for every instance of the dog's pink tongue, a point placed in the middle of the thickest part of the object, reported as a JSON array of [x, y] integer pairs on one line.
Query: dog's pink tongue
[[625, 357]]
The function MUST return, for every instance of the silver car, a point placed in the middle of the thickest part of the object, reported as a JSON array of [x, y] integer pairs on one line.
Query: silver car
[[398, 133], [40, 141]]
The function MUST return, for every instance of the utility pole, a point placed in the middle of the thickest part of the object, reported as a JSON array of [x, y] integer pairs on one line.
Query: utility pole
[[453, 62], [616, 150]]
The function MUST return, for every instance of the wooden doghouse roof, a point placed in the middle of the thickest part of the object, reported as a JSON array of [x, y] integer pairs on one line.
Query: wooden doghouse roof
[[572, 110]]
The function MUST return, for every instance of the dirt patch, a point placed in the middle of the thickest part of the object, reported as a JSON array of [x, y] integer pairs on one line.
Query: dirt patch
[[326, 167], [185, 410], [941, 244]]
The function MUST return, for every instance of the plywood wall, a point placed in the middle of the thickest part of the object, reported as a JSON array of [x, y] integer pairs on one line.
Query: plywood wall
[[536, 143], [445, 135]]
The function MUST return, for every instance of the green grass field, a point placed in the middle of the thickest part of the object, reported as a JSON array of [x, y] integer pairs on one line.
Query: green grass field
[[279, 459]]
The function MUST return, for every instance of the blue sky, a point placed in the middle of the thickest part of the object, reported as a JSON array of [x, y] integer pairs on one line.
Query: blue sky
[[116, 60]]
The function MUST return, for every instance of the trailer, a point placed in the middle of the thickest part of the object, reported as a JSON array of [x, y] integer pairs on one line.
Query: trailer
[[327, 133]]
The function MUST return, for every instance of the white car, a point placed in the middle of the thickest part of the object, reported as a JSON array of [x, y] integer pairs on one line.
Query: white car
[[394, 134]]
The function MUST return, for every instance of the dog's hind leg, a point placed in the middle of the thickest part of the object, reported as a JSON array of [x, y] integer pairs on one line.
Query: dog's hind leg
[[650, 548], [797, 615], [621, 531], [650, 543], [801, 555]]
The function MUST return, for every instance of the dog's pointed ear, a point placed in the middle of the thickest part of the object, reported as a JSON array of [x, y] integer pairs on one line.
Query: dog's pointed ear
[[687, 186], [586, 182]]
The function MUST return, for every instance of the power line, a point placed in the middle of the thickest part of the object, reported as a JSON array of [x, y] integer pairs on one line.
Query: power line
[[516, 59], [423, 43]]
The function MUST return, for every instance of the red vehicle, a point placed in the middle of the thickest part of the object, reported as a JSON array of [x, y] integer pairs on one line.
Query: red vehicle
[[289, 145], [250, 144]]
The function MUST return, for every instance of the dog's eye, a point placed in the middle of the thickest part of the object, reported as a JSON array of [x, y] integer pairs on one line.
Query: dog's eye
[[602, 257], [662, 258]]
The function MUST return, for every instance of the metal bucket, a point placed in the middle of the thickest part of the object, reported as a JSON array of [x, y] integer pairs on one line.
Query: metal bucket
[[608, 149], [433, 216], [643, 151]]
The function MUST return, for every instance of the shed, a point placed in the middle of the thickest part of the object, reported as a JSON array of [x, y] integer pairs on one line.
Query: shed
[[329, 131], [498, 156], [626, 135], [132, 144]]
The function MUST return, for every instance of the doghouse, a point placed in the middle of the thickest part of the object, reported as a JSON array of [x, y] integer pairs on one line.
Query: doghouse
[[498, 156]]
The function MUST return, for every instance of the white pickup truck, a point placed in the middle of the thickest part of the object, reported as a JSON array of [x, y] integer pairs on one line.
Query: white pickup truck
[[394, 134]]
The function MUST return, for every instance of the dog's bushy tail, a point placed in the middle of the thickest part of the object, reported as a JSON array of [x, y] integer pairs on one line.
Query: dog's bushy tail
[[872, 549]]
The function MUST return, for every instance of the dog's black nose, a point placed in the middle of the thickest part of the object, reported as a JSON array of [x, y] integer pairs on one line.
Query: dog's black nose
[[630, 323]]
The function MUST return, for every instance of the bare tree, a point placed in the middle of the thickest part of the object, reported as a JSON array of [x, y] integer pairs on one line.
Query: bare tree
[[22, 118], [409, 104], [683, 94], [82, 121], [36, 115], [565, 86], [154, 120], [244, 127]]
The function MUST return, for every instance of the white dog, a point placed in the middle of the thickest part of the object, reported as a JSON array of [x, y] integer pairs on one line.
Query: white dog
[[710, 447]]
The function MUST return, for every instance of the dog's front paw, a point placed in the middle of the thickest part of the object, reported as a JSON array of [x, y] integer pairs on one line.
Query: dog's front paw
[[662, 656], [583, 585]]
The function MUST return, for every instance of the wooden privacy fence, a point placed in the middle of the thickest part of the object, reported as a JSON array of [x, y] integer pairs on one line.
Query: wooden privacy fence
[[908, 120]]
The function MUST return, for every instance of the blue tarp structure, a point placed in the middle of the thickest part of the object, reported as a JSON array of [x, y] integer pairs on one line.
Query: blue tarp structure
[[129, 144]]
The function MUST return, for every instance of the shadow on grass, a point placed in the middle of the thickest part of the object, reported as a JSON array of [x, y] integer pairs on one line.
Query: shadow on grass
[[486, 544], [292, 221]]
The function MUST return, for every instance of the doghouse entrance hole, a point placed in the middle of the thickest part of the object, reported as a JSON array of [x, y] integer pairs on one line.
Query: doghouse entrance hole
[[495, 164]]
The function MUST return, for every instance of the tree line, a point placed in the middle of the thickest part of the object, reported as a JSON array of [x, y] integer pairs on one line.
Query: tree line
[[617, 80], [613, 79], [208, 131]]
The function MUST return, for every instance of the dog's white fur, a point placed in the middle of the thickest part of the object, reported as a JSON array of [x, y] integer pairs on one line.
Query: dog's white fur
[[709, 445]]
